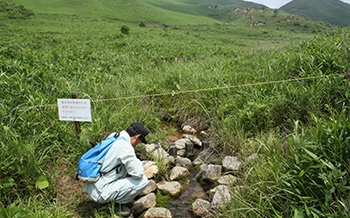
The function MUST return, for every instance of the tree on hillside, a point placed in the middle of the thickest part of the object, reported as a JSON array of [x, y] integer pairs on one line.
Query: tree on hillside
[[125, 30]]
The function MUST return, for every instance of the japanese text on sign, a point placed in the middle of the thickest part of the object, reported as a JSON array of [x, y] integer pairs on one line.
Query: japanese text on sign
[[74, 110]]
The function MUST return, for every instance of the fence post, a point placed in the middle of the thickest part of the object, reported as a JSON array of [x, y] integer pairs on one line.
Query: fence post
[[76, 123]]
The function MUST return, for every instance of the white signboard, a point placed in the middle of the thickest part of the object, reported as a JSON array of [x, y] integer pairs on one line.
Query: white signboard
[[74, 109]]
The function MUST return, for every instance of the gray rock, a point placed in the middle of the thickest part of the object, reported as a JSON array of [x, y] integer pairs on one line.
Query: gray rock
[[147, 164], [193, 139], [189, 129], [173, 188], [151, 186], [181, 152], [206, 156], [231, 163], [227, 180], [151, 147], [151, 171], [204, 134], [144, 203], [252, 157], [210, 172], [157, 212], [221, 197], [201, 207], [179, 172], [169, 160], [183, 162], [160, 153], [180, 144]]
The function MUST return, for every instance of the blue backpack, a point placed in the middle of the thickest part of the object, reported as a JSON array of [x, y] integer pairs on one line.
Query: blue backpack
[[90, 164]]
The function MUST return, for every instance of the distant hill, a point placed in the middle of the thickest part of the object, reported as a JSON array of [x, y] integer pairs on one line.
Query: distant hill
[[174, 5], [147, 11], [175, 12], [335, 12]]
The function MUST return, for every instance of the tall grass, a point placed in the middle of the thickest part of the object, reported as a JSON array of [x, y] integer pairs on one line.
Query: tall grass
[[300, 175], [317, 174], [182, 76]]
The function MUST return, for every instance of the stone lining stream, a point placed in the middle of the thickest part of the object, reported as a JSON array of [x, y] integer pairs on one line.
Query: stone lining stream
[[199, 181], [181, 206]]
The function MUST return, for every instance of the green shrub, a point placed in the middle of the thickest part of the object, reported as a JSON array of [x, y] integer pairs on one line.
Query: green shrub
[[162, 199], [15, 11], [125, 30]]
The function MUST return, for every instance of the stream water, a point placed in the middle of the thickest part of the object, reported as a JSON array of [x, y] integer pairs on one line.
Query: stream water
[[181, 206]]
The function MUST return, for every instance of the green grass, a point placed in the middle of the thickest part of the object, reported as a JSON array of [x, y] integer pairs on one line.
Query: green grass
[[247, 86], [128, 11]]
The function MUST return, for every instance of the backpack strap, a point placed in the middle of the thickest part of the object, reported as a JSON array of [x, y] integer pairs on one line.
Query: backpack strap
[[104, 173], [116, 135]]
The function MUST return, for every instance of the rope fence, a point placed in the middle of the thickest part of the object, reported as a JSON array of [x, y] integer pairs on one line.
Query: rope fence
[[200, 90]]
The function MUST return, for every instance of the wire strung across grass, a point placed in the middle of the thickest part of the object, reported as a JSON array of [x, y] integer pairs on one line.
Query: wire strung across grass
[[199, 90]]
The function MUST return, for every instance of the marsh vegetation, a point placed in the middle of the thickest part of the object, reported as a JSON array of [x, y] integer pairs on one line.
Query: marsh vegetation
[[279, 91]]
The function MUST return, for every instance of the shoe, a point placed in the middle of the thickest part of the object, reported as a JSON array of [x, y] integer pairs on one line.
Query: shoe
[[122, 210]]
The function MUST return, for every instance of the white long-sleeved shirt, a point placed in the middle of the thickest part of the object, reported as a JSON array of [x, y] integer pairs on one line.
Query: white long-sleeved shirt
[[121, 154]]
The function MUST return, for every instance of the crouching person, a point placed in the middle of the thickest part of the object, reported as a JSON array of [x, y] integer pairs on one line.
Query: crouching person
[[125, 177]]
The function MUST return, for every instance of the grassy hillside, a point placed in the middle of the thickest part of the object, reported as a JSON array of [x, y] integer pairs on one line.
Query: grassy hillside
[[214, 9], [149, 11], [250, 29], [332, 11], [175, 12], [129, 11], [278, 91], [171, 12]]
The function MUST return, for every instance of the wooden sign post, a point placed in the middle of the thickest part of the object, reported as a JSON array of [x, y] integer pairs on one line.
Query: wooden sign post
[[77, 110], [76, 123]]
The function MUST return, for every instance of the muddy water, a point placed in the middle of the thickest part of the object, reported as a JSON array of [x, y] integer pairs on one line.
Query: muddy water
[[181, 206]]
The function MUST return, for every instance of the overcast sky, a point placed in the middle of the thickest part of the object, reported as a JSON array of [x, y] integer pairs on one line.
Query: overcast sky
[[278, 3]]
